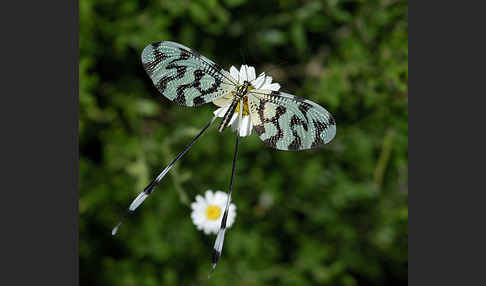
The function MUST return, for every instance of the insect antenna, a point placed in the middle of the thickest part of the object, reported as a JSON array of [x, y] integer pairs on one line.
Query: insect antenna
[[150, 188], [218, 244]]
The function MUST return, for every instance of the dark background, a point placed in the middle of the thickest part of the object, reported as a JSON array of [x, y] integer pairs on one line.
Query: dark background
[[333, 216]]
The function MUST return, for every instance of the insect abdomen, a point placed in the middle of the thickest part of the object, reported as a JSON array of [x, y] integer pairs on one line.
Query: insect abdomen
[[228, 115]]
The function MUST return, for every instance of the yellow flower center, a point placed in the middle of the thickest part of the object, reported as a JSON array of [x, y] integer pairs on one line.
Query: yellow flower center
[[246, 110], [213, 212]]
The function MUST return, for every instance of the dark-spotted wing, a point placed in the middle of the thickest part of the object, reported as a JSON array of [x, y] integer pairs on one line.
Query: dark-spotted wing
[[287, 122], [183, 75]]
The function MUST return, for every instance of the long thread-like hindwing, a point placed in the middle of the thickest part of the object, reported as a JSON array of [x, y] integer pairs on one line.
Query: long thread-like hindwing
[[287, 122], [183, 75]]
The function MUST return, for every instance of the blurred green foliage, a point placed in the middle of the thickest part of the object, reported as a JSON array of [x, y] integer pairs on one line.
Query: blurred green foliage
[[333, 216]]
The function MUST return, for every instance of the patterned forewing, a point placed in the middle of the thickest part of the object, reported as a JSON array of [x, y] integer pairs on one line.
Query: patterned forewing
[[287, 122], [183, 75]]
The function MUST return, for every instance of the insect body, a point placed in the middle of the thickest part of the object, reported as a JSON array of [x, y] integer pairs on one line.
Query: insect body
[[238, 94]]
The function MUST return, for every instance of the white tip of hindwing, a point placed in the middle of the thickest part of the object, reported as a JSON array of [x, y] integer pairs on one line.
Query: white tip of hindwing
[[137, 201], [115, 229]]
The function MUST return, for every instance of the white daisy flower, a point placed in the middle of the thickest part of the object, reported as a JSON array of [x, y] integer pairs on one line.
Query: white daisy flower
[[246, 73], [207, 211]]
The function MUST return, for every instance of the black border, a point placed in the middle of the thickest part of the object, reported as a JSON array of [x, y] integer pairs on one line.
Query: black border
[[39, 203], [447, 241]]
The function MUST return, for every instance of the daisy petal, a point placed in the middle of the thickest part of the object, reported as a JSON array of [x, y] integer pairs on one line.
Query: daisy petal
[[220, 111], [234, 72], [220, 197], [243, 74], [209, 195], [220, 193], [222, 101], [235, 115], [199, 199], [273, 86], [258, 82], [250, 73], [268, 80], [234, 126], [246, 126]]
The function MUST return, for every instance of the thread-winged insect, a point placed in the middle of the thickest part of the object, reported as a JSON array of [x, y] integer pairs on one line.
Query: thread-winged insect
[[282, 121]]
